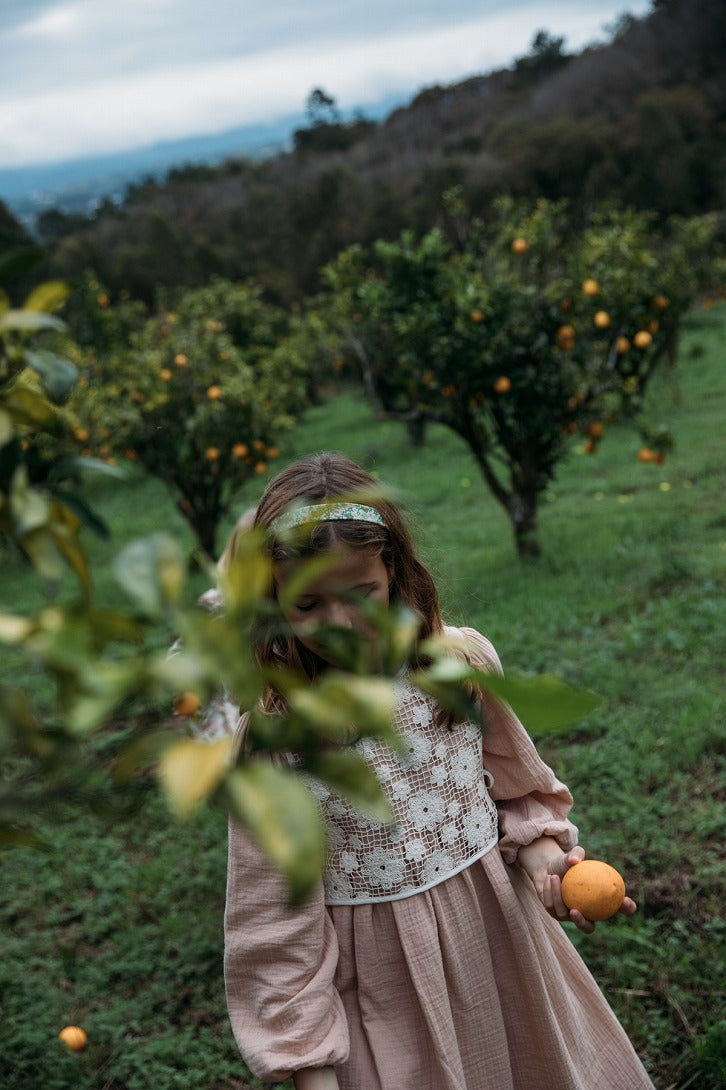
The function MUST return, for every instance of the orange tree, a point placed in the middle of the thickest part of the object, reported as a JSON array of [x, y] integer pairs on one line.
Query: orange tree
[[529, 333], [200, 398]]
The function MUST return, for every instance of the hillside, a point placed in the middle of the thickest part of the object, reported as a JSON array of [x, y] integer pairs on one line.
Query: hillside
[[641, 120]]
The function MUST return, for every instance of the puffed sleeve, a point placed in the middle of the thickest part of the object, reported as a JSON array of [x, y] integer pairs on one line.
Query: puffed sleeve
[[531, 801], [279, 964]]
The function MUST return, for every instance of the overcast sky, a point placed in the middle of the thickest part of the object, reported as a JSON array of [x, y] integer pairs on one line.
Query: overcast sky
[[80, 77]]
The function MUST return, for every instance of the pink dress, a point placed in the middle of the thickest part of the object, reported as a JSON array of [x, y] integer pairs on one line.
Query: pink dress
[[426, 961]]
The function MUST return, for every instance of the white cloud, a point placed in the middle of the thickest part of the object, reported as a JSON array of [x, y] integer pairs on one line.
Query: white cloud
[[52, 23]]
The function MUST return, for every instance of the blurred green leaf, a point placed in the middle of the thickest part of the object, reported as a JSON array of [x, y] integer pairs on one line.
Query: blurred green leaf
[[6, 428], [151, 571], [32, 409], [138, 753], [96, 465], [99, 688], [65, 528], [249, 575], [41, 547], [340, 704], [190, 771], [543, 703], [284, 819], [14, 629], [48, 296], [57, 373], [348, 774], [28, 321], [30, 508]]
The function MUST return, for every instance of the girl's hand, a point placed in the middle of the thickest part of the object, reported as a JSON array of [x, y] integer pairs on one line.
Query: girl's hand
[[546, 864]]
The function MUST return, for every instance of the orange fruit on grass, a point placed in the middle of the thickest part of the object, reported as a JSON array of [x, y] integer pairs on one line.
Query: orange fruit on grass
[[74, 1038], [593, 887]]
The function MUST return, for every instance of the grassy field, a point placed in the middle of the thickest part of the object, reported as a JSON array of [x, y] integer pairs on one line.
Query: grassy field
[[118, 927]]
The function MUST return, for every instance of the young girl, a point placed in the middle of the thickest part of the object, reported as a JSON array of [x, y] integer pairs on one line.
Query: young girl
[[430, 958]]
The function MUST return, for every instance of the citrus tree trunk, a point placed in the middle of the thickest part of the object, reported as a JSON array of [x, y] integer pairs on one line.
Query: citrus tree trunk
[[519, 500], [522, 511]]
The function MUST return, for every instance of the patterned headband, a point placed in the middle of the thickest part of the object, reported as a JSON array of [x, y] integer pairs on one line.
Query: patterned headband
[[327, 512]]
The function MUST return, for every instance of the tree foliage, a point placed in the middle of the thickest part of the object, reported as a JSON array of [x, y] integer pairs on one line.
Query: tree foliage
[[201, 397], [528, 334]]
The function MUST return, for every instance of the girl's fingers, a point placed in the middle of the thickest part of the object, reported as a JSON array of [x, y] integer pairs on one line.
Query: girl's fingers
[[552, 898], [581, 922], [628, 907]]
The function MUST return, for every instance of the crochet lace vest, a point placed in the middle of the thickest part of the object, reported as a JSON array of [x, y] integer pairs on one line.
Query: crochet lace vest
[[438, 791]]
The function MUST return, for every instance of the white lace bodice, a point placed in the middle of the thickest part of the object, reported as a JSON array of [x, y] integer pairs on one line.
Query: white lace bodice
[[445, 818]]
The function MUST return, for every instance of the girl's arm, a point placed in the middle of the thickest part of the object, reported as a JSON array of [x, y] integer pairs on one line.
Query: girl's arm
[[316, 1078], [546, 864]]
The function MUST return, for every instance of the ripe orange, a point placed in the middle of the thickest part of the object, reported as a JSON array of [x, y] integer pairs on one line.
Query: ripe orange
[[643, 339], [186, 704], [653, 325], [74, 1038], [240, 450], [660, 302], [565, 337], [448, 391], [260, 468], [593, 887], [212, 454], [165, 374], [595, 430], [602, 319], [181, 360], [646, 455], [214, 393], [273, 452], [590, 447], [590, 287], [520, 246], [477, 316], [503, 385], [622, 345]]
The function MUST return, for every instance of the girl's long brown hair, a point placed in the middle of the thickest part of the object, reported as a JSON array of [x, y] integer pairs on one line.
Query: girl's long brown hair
[[332, 476]]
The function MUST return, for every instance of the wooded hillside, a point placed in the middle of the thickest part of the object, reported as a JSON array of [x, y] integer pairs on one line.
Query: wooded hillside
[[640, 121]]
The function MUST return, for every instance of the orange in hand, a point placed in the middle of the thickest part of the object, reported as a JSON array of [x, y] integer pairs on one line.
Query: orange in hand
[[594, 888]]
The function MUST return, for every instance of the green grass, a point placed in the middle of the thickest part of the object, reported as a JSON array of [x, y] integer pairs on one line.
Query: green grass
[[118, 927]]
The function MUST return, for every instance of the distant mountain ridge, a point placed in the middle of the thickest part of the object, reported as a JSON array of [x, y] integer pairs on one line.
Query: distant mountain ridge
[[76, 185]]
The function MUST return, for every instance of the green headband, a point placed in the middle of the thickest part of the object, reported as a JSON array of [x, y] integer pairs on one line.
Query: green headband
[[327, 512]]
